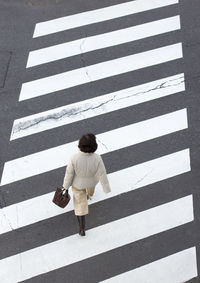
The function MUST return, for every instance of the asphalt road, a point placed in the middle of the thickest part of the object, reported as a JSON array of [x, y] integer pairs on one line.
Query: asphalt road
[[28, 221]]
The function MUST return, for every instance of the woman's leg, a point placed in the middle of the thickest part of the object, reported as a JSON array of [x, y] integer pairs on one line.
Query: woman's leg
[[80, 208], [90, 192], [81, 221], [80, 201]]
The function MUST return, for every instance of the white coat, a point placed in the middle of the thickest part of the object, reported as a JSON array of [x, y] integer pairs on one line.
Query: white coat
[[85, 170]]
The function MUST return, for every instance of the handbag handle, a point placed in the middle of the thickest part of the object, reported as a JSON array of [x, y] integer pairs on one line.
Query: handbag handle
[[64, 190]]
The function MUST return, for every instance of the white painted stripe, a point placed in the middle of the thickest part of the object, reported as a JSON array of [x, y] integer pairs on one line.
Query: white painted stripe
[[96, 42], [97, 106], [98, 240], [100, 71], [121, 181], [176, 268], [56, 157], [98, 15]]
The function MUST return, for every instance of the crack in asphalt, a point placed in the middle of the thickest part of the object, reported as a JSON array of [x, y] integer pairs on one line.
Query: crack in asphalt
[[83, 59], [84, 108], [2, 205], [141, 179], [101, 143]]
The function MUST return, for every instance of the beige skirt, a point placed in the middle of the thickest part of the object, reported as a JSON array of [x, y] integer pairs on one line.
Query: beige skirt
[[80, 200]]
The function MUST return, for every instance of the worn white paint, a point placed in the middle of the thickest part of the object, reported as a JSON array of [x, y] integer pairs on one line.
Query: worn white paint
[[21, 214], [57, 157], [97, 106], [98, 15], [98, 240], [176, 268], [100, 71], [104, 40]]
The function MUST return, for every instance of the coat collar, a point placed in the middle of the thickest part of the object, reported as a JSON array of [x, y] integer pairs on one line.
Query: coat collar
[[85, 153]]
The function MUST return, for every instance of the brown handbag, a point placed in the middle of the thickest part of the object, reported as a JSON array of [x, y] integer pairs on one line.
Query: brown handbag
[[61, 197]]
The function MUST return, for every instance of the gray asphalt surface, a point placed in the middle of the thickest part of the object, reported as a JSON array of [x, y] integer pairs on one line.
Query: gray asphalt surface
[[17, 23]]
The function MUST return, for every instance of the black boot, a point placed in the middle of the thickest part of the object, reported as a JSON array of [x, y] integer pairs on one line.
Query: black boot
[[81, 221], [83, 225]]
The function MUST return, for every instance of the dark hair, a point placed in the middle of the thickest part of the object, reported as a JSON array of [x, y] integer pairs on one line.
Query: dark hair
[[87, 143]]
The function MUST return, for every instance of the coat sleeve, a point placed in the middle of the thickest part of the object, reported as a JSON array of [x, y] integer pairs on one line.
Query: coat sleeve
[[69, 175], [103, 177]]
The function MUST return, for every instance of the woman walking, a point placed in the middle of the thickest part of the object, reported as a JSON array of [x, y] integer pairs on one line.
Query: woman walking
[[84, 170]]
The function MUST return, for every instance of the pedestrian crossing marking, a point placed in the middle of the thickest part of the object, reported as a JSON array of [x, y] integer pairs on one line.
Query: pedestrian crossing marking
[[97, 106], [147, 223], [98, 15], [100, 71], [104, 40], [54, 158], [98, 240], [123, 181], [176, 268]]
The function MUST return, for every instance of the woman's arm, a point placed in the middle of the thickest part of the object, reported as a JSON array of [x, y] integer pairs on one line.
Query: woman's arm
[[69, 175], [103, 177]]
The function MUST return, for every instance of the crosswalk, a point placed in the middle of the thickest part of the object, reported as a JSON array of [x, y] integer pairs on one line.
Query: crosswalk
[[174, 268], [96, 42], [53, 158], [99, 15], [149, 222], [41, 259], [93, 107], [125, 180], [100, 71]]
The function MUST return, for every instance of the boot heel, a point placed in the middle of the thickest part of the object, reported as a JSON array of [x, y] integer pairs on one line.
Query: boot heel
[[82, 232]]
